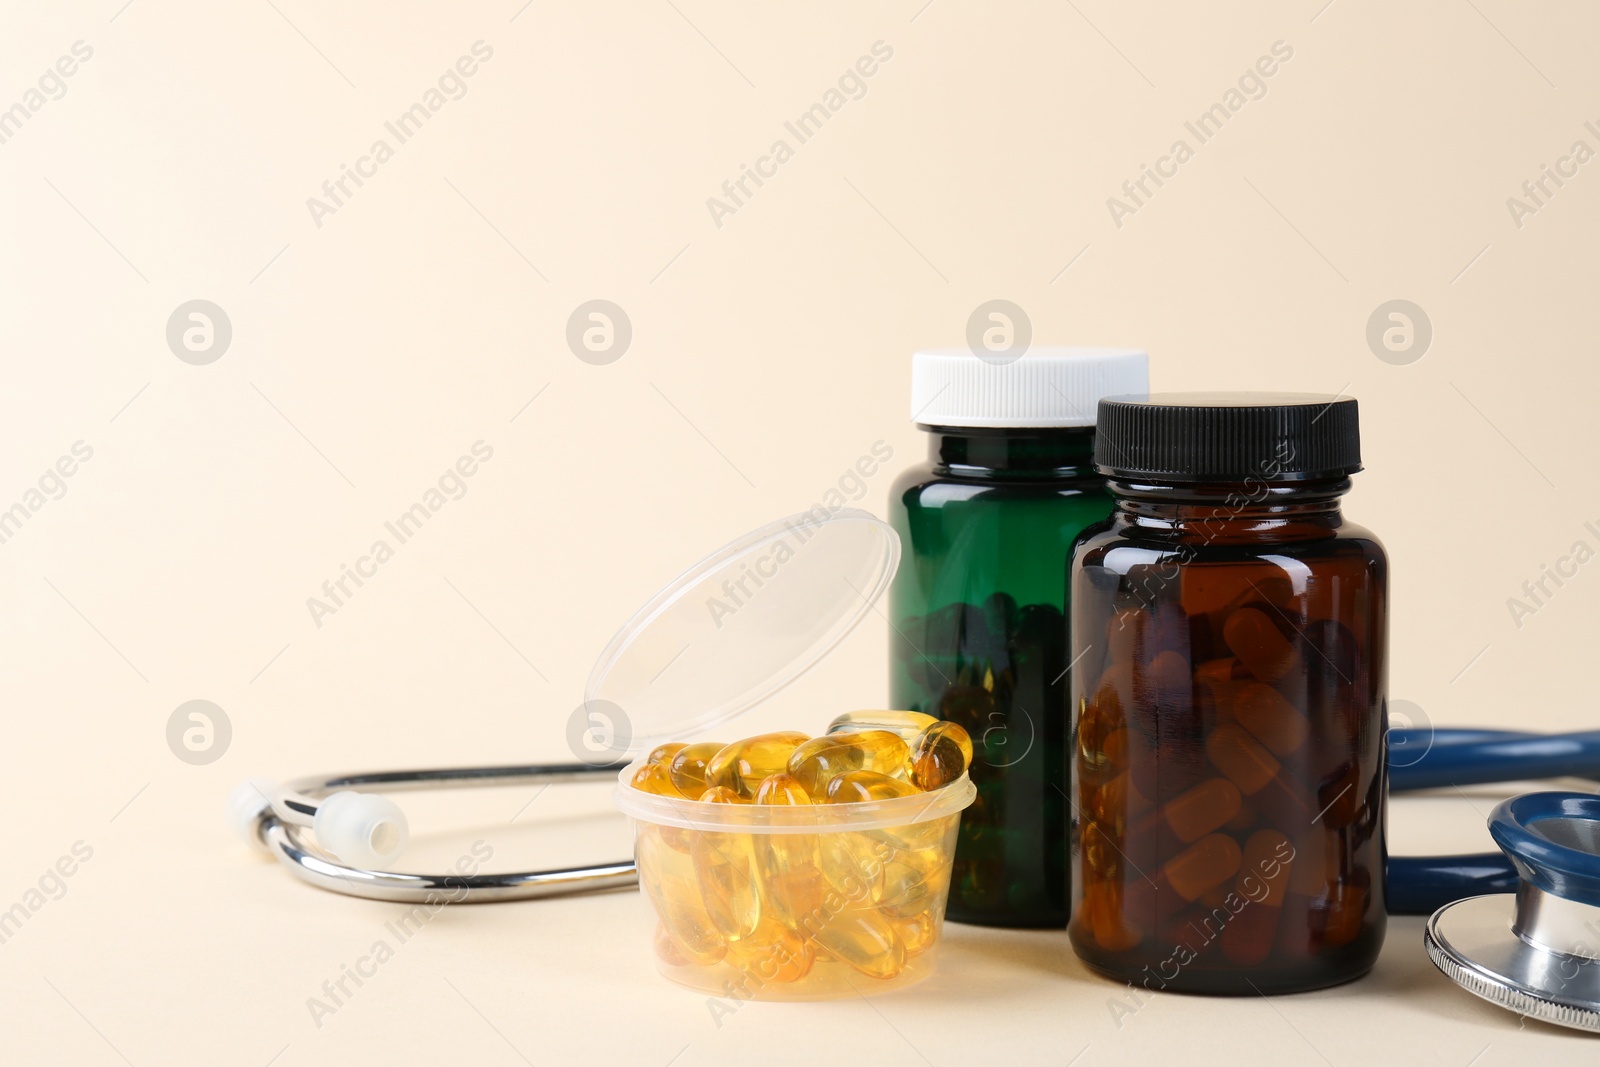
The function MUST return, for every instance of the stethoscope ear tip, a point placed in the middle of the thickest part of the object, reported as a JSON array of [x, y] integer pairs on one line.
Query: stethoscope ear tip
[[362, 829], [249, 801]]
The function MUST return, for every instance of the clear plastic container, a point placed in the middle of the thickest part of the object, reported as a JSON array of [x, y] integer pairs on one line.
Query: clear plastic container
[[759, 901]]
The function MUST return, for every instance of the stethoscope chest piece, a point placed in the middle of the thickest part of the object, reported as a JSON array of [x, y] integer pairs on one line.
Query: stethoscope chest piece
[[1536, 953]]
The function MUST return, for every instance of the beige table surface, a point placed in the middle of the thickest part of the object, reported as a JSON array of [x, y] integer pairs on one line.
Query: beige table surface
[[158, 152]]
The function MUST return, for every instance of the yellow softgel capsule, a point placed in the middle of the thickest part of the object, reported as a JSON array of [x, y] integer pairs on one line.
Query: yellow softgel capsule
[[654, 778], [773, 953], [670, 882], [663, 754], [854, 864], [916, 933], [688, 766], [725, 868], [818, 761], [853, 787], [865, 940], [782, 788], [906, 890], [939, 755], [744, 765], [667, 951], [792, 883], [908, 724]]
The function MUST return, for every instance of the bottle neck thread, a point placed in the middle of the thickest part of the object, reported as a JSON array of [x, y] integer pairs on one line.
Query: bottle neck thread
[[1237, 512], [1066, 452]]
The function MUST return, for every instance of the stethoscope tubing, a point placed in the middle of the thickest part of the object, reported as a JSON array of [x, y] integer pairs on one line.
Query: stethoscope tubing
[[1440, 759], [284, 840], [1426, 758], [1420, 758]]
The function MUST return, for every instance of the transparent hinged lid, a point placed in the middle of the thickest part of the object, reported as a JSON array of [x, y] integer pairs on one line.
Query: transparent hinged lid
[[742, 624]]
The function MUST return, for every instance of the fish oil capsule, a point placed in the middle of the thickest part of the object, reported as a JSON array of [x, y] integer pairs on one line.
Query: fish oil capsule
[[663, 754], [666, 950], [725, 867], [1206, 863], [1275, 722], [819, 760], [864, 939], [744, 765], [909, 882], [688, 766], [1117, 801], [916, 933], [792, 884], [854, 787], [772, 953], [908, 724], [940, 754], [1256, 641], [670, 882], [654, 778], [915, 838], [855, 865], [1106, 917], [782, 788], [1096, 724]]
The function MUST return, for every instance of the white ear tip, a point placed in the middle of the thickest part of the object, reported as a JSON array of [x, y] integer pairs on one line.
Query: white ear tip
[[247, 802], [362, 829]]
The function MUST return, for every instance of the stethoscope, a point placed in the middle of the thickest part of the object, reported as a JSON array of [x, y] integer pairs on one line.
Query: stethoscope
[[1519, 928]]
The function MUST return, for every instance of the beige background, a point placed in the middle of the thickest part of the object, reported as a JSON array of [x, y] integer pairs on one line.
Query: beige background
[[768, 353]]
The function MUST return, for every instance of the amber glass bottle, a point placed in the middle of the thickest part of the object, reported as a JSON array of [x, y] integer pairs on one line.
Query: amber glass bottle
[[1229, 628]]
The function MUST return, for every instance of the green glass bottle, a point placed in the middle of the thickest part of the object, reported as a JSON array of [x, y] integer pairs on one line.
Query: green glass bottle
[[978, 605]]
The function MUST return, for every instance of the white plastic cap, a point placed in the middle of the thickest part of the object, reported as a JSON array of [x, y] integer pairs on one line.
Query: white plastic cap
[[362, 829], [1045, 387], [246, 804]]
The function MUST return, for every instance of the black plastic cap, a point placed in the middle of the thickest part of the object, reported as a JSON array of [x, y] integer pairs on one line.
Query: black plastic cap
[[1227, 437]]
